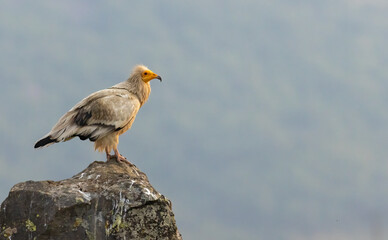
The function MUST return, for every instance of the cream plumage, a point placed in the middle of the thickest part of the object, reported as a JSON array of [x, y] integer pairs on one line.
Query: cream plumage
[[104, 115]]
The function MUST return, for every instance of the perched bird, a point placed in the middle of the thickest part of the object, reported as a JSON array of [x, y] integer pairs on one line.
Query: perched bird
[[104, 115]]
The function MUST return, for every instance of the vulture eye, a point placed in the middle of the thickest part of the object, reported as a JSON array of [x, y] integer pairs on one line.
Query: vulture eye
[[145, 73]]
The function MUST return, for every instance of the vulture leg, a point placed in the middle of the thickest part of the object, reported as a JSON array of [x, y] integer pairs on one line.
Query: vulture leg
[[107, 154], [119, 157]]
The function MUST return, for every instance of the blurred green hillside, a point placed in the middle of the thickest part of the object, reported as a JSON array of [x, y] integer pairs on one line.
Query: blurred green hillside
[[270, 123]]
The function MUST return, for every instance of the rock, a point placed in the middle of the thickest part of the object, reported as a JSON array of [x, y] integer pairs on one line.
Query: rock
[[108, 200]]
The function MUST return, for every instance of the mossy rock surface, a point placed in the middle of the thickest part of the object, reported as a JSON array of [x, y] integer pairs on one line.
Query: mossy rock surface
[[108, 200]]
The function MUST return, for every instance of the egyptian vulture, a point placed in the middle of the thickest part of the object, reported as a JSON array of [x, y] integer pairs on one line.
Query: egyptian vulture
[[104, 115]]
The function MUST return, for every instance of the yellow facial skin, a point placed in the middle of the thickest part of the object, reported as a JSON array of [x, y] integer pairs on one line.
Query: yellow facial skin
[[148, 75]]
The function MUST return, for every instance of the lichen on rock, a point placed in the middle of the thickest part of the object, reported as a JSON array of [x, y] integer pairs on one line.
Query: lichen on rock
[[30, 226]]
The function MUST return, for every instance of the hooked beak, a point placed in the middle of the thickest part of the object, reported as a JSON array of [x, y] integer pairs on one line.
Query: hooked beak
[[159, 77]]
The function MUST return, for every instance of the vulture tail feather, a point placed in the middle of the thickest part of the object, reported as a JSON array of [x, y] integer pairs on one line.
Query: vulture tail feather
[[44, 141]]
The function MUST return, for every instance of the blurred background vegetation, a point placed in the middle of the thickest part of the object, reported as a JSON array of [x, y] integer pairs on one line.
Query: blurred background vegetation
[[270, 123]]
